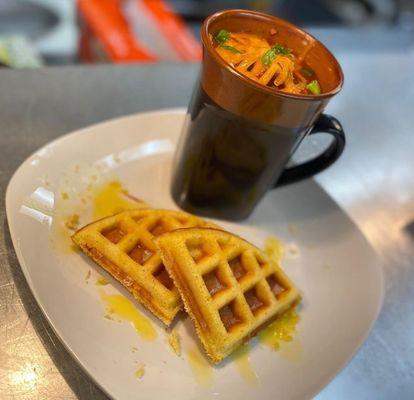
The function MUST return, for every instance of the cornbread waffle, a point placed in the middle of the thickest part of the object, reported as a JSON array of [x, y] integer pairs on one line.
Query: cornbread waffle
[[123, 245], [229, 287]]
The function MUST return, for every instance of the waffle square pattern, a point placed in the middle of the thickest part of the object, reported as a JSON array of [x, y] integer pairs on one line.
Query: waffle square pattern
[[229, 287], [123, 245]]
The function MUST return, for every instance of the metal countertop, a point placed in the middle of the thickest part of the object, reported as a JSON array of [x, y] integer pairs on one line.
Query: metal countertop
[[373, 181]]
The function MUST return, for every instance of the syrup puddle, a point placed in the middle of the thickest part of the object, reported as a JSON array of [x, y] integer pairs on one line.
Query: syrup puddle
[[202, 370], [74, 208], [274, 249], [241, 358], [292, 351], [280, 331], [112, 198], [118, 306]]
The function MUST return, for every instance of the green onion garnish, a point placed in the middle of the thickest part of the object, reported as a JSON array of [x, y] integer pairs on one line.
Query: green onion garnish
[[314, 87], [308, 72], [281, 49], [222, 36], [271, 54], [230, 48]]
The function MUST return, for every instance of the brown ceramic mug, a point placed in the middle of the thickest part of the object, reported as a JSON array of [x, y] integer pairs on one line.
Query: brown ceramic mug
[[239, 134]]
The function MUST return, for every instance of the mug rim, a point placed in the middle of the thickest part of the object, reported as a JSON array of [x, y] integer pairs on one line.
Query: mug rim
[[275, 92]]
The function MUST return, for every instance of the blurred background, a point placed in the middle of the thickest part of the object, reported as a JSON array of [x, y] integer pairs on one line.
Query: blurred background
[[34, 33]]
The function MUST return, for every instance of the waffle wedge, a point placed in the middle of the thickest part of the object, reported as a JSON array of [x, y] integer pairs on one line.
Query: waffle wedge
[[123, 245], [229, 287]]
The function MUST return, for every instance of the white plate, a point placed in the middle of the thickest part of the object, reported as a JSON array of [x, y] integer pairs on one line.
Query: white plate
[[336, 270]]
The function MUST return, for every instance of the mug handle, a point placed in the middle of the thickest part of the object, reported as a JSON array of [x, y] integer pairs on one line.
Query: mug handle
[[327, 124]]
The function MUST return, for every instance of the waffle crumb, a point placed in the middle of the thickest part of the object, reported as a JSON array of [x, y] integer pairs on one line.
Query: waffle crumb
[[65, 196], [87, 276], [174, 342], [134, 349], [101, 281], [140, 372], [72, 222]]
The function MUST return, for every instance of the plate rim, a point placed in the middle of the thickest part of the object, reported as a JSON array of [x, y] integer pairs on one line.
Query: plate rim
[[172, 111]]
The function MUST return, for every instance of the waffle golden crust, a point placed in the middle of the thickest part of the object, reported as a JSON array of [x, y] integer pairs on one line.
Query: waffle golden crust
[[123, 245], [229, 287]]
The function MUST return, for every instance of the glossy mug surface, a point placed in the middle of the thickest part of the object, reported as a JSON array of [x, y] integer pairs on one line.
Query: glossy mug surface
[[239, 135]]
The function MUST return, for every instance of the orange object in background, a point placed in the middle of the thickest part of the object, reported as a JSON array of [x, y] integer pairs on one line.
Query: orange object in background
[[123, 31], [175, 30]]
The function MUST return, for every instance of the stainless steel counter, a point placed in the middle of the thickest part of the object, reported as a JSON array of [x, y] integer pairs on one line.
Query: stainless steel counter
[[373, 181]]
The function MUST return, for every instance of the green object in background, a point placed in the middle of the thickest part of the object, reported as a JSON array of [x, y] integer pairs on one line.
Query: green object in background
[[18, 52]]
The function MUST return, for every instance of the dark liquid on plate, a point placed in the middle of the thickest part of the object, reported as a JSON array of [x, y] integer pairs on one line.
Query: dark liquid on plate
[[225, 163]]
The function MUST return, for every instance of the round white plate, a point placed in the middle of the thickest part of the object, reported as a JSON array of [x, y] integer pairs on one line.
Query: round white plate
[[334, 267]]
